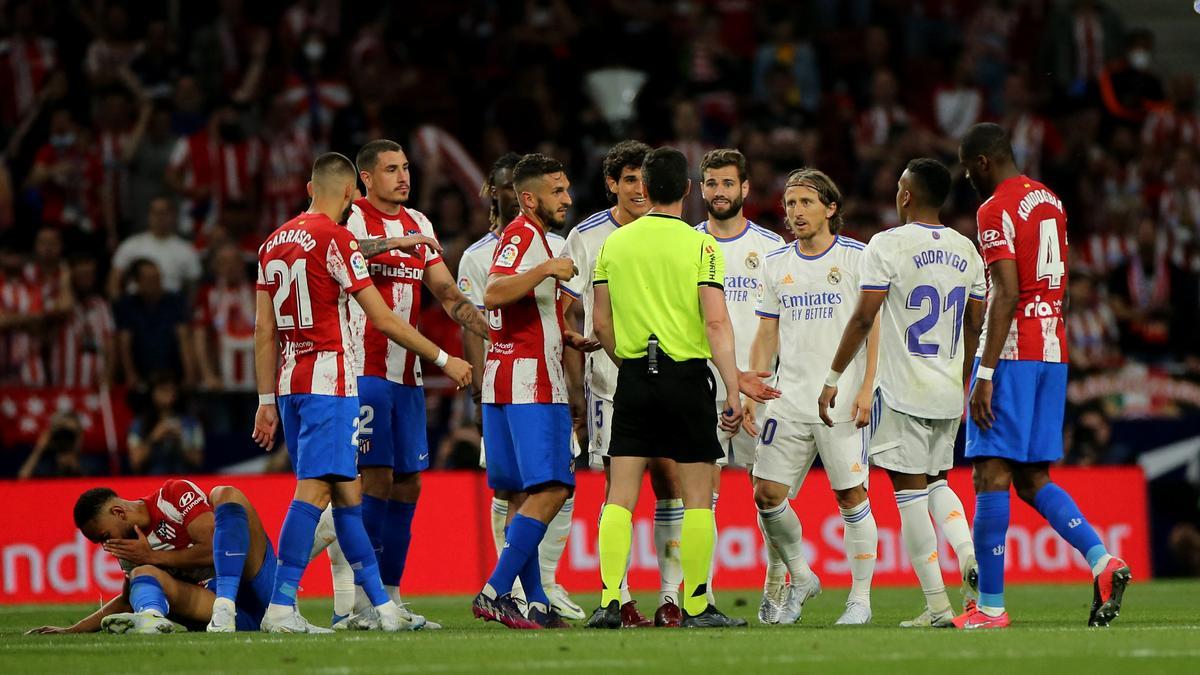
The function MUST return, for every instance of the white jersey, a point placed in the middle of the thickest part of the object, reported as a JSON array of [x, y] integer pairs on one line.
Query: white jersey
[[813, 297], [583, 247], [928, 273], [744, 254], [477, 260]]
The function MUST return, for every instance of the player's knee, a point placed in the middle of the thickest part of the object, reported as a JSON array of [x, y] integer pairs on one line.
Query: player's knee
[[664, 480], [227, 494], [147, 571], [989, 480], [850, 498], [766, 498]]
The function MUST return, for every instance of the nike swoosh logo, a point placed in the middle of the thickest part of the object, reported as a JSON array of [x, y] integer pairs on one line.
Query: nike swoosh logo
[[234, 555], [424, 456]]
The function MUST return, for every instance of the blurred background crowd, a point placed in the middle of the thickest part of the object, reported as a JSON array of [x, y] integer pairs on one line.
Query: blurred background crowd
[[148, 147]]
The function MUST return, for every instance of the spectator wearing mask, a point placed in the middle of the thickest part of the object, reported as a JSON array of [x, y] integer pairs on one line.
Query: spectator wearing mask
[[83, 346], [164, 440], [58, 452], [67, 175]]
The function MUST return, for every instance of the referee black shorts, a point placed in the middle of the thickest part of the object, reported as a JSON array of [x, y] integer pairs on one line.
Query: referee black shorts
[[669, 415]]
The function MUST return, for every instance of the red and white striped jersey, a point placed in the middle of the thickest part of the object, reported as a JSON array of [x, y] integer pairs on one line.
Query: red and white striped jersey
[[1025, 222], [309, 266], [20, 362], [229, 312], [24, 65], [77, 353], [398, 277], [228, 170], [524, 359], [172, 508]]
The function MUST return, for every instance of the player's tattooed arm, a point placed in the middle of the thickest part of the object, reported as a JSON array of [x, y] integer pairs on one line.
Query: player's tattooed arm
[[457, 306], [409, 244], [91, 622]]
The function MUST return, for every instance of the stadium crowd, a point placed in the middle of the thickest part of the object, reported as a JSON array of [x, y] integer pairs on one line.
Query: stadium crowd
[[147, 150]]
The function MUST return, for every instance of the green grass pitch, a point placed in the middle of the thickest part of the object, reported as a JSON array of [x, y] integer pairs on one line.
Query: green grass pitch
[[1158, 631]]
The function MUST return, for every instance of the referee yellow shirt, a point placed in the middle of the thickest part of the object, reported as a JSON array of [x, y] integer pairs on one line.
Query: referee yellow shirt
[[653, 267]]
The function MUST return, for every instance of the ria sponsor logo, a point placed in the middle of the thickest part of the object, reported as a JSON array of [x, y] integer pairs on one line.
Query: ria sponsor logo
[[1040, 309]]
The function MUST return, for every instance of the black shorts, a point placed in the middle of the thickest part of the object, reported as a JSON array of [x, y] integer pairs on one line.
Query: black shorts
[[669, 415]]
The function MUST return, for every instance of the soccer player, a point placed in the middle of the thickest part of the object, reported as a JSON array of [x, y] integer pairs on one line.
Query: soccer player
[[809, 290], [186, 555], [473, 270], [929, 281], [307, 271], [391, 428], [1019, 389], [623, 186], [526, 421], [723, 187]]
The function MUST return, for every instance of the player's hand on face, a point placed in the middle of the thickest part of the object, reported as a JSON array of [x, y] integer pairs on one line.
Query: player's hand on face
[[561, 268], [266, 421], [981, 404], [411, 244], [827, 400], [459, 371], [136, 551], [578, 342], [749, 423], [751, 383], [862, 409], [731, 416]]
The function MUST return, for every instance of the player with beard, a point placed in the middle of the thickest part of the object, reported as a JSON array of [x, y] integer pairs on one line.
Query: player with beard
[[526, 421], [472, 279], [623, 186], [391, 434], [724, 186]]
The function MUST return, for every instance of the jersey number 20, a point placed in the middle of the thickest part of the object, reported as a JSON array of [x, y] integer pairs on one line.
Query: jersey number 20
[[921, 296], [296, 275]]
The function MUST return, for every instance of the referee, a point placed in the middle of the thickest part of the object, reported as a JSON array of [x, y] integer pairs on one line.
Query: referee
[[660, 315]]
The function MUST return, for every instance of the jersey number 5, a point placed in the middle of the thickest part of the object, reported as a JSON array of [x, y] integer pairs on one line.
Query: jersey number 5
[[956, 302], [295, 275], [1050, 263]]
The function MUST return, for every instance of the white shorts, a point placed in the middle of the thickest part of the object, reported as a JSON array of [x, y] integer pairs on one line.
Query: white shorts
[[739, 448], [913, 445], [786, 451], [599, 415]]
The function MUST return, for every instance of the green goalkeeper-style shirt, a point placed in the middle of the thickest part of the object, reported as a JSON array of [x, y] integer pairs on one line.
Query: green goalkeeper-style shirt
[[653, 268]]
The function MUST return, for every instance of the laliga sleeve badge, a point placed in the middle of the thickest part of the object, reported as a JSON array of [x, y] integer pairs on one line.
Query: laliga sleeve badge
[[752, 261], [507, 256], [835, 276], [359, 265], [464, 285]]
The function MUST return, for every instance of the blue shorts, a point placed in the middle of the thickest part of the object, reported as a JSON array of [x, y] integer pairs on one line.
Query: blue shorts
[[1028, 400], [254, 596], [321, 435], [527, 444], [391, 425]]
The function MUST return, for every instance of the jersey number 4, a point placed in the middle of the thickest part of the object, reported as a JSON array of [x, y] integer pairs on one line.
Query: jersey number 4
[[289, 276], [1050, 263], [956, 302]]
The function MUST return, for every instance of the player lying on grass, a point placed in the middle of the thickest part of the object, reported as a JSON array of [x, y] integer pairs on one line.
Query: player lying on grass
[[185, 555]]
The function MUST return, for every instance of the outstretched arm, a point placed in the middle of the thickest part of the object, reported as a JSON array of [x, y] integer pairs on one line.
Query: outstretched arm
[[91, 622], [853, 335]]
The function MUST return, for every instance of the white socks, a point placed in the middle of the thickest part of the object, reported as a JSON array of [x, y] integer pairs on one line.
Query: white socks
[[782, 529], [920, 540], [947, 511], [861, 539], [776, 570], [668, 527], [499, 520], [555, 542]]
